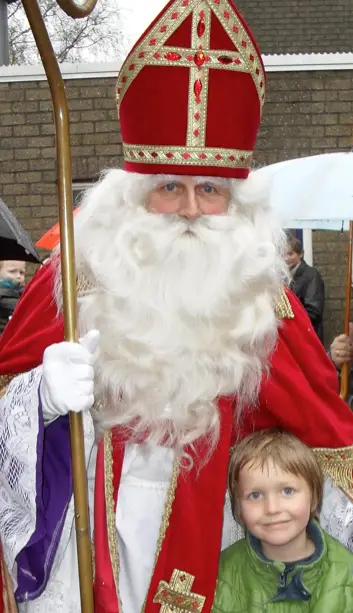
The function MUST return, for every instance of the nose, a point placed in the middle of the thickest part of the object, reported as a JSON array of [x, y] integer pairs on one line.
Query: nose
[[189, 207], [272, 506]]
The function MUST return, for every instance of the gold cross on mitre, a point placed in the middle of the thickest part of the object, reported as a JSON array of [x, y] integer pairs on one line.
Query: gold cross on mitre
[[176, 597]]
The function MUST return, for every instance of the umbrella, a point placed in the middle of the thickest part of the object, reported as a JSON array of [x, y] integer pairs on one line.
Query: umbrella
[[15, 243], [316, 192], [312, 192], [51, 238]]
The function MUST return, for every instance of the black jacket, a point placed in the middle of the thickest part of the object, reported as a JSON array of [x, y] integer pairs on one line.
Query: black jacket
[[308, 286], [9, 297]]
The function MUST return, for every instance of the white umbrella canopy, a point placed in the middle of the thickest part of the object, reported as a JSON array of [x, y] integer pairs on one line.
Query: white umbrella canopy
[[312, 192], [316, 192]]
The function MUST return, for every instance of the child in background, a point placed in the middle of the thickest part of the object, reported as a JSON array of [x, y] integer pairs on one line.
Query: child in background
[[286, 563], [12, 278]]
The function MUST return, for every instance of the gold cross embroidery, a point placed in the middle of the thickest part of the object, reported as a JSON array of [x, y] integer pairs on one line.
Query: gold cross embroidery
[[176, 597]]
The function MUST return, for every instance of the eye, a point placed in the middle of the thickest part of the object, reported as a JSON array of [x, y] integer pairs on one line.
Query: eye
[[254, 496], [288, 491], [170, 187], [208, 188]]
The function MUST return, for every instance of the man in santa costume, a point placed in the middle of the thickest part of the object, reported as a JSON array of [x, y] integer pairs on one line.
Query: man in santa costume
[[188, 342]]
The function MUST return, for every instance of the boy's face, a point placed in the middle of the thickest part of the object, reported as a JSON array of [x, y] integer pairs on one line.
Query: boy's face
[[14, 270], [292, 258], [275, 507]]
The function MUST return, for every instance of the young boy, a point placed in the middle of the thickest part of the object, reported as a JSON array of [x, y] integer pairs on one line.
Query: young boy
[[286, 563], [12, 278]]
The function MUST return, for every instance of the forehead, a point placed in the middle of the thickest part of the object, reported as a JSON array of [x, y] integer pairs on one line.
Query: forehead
[[12, 264], [265, 474]]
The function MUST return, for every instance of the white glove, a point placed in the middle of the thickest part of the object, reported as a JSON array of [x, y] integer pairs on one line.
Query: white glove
[[68, 376]]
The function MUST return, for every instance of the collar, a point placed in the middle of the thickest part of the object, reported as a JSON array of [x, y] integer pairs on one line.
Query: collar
[[298, 270], [290, 584], [9, 284]]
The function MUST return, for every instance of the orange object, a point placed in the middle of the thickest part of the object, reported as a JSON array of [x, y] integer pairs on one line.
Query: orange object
[[51, 238]]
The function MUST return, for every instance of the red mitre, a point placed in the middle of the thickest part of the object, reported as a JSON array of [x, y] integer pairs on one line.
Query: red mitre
[[191, 91]]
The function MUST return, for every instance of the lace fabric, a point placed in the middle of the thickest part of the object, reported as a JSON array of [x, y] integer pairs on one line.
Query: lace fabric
[[19, 430], [232, 530], [336, 516], [19, 426]]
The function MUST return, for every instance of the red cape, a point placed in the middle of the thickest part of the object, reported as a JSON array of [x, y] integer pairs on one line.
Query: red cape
[[300, 395], [33, 326]]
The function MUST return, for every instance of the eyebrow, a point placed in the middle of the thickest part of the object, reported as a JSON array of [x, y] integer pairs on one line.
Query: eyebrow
[[220, 181], [199, 180]]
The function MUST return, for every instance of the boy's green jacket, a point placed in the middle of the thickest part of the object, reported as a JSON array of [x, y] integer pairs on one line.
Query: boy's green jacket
[[249, 583]]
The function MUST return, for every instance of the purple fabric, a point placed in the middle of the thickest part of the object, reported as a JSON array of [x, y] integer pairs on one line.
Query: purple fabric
[[54, 490]]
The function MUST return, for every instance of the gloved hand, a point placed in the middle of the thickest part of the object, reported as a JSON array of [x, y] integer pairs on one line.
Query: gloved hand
[[68, 376]]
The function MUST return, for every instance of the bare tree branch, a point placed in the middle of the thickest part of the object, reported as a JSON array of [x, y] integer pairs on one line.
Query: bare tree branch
[[98, 36]]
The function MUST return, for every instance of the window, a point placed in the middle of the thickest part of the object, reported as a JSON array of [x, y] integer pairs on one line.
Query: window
[[78, 189]]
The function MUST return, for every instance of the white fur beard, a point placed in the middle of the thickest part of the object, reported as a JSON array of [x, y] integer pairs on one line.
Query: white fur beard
[[186, 314]]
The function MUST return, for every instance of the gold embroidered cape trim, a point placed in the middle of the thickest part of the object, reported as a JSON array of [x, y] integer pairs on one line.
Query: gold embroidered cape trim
[[283, 308], [111, 526], [337, 464], [110, 511], [194, 156], [151, 49], [5, 380]]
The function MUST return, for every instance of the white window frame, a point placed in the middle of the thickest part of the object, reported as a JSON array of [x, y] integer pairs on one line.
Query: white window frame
[[78, 187]]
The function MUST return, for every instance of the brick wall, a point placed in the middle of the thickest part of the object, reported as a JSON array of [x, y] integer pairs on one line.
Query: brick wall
[[305, 114], [27, 144], [300, 26]]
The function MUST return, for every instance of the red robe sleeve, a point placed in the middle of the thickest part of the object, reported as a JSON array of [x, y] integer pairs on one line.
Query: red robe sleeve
[[300, 394], [34, 326]]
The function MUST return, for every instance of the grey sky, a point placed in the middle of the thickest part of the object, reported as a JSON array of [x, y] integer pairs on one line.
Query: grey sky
[[136, 16]]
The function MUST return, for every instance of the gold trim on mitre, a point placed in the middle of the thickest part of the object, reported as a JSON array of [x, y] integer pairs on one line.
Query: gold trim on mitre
[[197, 156], [337, 464], [283, 308], [151, 50]]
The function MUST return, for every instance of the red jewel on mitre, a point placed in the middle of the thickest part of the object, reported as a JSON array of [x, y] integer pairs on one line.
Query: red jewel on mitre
[[191, 91]]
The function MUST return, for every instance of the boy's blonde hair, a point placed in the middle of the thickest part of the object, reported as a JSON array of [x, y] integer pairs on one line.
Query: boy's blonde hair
[[285, 451]]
